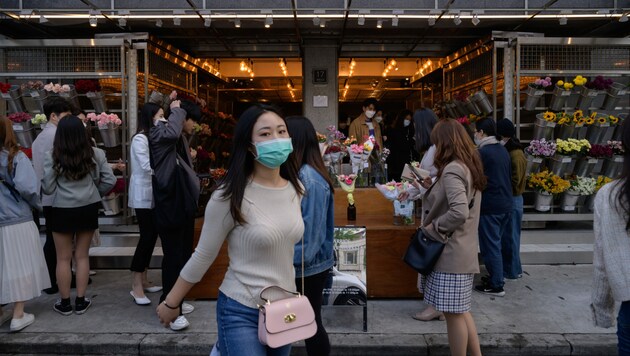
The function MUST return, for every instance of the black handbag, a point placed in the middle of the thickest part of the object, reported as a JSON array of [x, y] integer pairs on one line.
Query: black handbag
[[423, 252]]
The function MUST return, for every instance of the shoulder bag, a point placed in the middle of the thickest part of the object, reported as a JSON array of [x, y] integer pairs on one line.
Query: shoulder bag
[[424, 252], [285, 321]]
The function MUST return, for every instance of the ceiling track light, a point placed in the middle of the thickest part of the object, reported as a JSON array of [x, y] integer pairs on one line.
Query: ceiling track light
[[431, 21], [93, 21], [457, 20], [268, 21], [395, 21], [237, 23], [316, 21], [207, 22], [122, 22], [322, 24], [361, 20], [624, 17], [158, 23], [475, 20], [177, 21], [42, 19], [563, 20], [379, 23]]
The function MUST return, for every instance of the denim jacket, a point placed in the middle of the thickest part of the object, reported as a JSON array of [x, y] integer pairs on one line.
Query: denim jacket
[[17, 201], [318, 215]]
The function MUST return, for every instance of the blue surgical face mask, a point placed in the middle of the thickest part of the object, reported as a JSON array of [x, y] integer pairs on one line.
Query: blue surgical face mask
[[273, 153]]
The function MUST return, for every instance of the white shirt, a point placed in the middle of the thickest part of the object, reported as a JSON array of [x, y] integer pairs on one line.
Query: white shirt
[[140, 188]]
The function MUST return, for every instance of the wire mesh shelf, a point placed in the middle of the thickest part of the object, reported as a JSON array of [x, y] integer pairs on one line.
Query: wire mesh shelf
[[60, 59], [546, 57]]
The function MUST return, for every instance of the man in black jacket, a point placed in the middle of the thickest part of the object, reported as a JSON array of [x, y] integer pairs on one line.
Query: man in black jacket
[[175, 192]]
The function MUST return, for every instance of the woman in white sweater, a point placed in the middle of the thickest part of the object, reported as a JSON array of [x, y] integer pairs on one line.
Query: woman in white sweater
[[256, 208], [611, 277]]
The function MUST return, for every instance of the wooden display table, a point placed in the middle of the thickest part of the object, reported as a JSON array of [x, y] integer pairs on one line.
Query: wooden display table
[[387, 275]]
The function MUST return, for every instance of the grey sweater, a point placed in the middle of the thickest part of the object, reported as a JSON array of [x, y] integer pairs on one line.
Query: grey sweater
[[77, 193], [611, 260]]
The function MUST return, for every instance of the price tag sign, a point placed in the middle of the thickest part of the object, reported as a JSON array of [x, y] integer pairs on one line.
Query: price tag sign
[[592, 160], [565, 93], [18, 128], [618, 159], [544, 207], [366, 165], [34, 94], [605, 125], [622, 92], [551, 124], [537, 160], [569, 208], [592, 93], [539, 92], [566, 159]]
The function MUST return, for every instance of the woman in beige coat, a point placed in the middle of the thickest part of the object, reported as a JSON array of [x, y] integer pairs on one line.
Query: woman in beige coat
[[451, 215]]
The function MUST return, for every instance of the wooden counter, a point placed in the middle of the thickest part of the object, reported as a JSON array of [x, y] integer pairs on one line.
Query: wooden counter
[[387, 275]]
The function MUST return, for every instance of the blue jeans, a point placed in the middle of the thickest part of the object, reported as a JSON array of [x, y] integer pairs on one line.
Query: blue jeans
[[491, 229], [511, 242], [623, 329], [238, 330]]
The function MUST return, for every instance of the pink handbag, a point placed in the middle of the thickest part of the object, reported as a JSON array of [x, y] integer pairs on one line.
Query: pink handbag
[[285, 321]]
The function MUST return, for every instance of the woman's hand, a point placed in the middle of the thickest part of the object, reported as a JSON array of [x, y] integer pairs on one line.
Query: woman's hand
[[166, 314], [426, 182], [175, 104]]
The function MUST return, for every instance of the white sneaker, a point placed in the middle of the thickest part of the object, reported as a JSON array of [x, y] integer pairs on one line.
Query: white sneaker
[[180, 323], [187, 308], [19, 324]]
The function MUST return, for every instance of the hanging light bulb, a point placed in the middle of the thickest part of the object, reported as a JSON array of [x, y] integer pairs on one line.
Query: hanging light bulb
[[395, 21], [563, 20], [361, 20], [379, 23], [431, 21], [237, 23], [207, 22], [158, 23], [475, 20], [42, 19], [268, 21], [457, 20], [316, 21]]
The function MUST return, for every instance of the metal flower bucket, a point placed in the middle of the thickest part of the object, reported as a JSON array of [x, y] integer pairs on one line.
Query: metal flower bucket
[[111, 135], [450, 109], [559, 98], [472, 108], [561, 164], [98, 101], [481, 100], [619, 128], [585, 166], [533, 97], [569, 201], [543, 128], [614, 93], [112, 204], [568, 131], [71, 96], [33, 103], [12, 96], [156, 97], [613, 166], [460, 108], [533, 164], [543, 201], [24, 133], [586, 97], [600, 133]]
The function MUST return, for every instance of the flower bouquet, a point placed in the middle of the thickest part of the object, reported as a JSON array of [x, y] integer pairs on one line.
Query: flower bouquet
[[57, 88], [536, 152], [4, 88], [403, 210], [108, 125], [546, 184], [579, 186], [347, 184], [39, 120], [535, 91], [19, 117]]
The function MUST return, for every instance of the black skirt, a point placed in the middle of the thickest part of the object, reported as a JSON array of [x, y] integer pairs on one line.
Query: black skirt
[[66, 220]]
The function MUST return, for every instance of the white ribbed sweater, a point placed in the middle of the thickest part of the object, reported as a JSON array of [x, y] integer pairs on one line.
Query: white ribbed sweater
[[611, 256], [260, 252]]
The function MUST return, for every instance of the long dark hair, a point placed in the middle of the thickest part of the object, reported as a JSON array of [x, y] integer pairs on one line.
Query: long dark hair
[[7, 139], [451, 144], [424, 120], [145, 119], [305, 146], [241, 165], [623, 194], [72, 153]]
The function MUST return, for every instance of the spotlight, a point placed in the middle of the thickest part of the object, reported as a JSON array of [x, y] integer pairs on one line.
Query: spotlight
[[177, 21], [158, 23], [43, 19], [457, 20], [379, 23], [268, 21], [322, 24], [563, 20], [361, 20], [475, 20], [93, 21], [122, 22], [431, 21], [623, 18], [316, 21], [237, 23], [207, 22], [395, 21]]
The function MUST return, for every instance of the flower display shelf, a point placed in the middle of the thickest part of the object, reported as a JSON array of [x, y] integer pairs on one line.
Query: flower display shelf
[[450, 108], [543, 128], [13, 98], [613, 95], [533, 97], [543, 201], [98, 100]]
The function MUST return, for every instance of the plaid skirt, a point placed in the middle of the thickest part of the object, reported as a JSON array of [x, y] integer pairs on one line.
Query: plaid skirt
[[448, 292]]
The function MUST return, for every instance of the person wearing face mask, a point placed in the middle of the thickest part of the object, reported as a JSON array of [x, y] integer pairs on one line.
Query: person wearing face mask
[[256, 209], [496, 205], [401, 145], [364, 125], [168, 148]]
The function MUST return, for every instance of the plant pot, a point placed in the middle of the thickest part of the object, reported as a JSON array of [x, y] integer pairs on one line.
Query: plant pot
[[567, 131], [112, 204], [613, 166], [569, 201], [585, 166], [533, 164], [472, 107], [404, 213], [461, 109], [600, 133], [558, 98], [543, 201], [619, 127], [13, 98], [111, 135], [24, 133], [450, 109], [33, 102], [543, 128], [586, 97], [561, 164], [71, 96], [156, 98], [481, 100], [98, 101], [613, 94], [533, 97]]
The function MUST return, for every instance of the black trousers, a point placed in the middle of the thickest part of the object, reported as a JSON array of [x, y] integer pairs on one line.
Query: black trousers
[[146, 244], [177, 247], [318, 345], [50, 253]]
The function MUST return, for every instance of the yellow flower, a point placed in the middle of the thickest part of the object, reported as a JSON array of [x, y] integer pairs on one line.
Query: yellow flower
[[601, 120], [546, 181], [613, 119], [582, 121], [590, 121], [549, 116], [560, 83], [578, 114]]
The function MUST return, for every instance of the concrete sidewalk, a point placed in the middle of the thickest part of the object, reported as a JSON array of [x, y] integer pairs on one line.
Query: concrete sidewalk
[[544, 313]]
